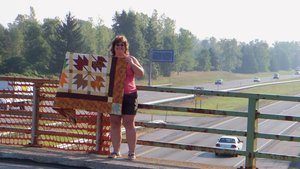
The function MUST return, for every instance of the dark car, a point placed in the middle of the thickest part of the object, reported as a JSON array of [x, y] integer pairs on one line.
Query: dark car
[[219, 82], [276, 76]]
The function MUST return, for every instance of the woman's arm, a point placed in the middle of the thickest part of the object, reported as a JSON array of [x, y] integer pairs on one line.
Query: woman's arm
[[136, 66]]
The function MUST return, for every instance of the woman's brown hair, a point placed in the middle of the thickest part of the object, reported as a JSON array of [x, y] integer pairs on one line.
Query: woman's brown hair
[[119, 39]]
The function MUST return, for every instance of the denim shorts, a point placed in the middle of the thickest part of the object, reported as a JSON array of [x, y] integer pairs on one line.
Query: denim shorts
[[130, 104]]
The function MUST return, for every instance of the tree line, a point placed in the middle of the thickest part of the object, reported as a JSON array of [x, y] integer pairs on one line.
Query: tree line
[[28, 47]]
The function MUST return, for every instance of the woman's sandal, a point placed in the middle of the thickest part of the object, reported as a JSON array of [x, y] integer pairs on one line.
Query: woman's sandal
[[131, 156], [114, 155]]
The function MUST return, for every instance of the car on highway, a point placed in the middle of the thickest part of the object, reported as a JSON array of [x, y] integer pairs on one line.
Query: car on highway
[[158, 122], [276, 76], [256, 79], [219, 82], [17, 89], [229, 142]]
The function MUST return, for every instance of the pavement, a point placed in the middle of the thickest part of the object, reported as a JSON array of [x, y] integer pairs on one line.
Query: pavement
[[84, 160]]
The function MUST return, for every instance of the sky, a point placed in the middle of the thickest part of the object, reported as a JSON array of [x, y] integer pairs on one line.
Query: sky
[[244, 20]]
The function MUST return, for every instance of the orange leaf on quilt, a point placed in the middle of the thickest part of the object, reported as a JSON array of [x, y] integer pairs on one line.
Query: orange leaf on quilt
[[98, 83], [63, 79]]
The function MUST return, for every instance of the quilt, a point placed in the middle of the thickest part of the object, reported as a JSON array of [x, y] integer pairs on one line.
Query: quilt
[[92, 83]]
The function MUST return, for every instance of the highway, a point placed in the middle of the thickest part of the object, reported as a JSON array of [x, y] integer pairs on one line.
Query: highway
[[231, 123], [153, 97]]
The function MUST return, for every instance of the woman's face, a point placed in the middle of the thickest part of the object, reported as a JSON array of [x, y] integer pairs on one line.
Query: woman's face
[[120, 49]]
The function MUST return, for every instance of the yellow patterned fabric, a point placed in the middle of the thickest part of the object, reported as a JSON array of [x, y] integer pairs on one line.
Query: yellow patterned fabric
[[91, 82]]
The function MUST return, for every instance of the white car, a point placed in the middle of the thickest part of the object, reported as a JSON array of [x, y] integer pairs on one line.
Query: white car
[[15, 88], [158, 122], [256, 79], [229, 142], [4, 104]]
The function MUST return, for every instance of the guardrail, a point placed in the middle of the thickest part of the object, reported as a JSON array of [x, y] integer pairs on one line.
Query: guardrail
[[252, 115], [39, 125]]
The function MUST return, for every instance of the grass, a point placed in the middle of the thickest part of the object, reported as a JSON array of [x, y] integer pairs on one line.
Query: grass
[[227, 103], [196, 77]]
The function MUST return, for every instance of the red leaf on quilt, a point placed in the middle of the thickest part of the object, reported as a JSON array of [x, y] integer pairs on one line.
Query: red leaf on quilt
[[97, 83], [63, 79], [99, 63], [80, 81], [81, 62]]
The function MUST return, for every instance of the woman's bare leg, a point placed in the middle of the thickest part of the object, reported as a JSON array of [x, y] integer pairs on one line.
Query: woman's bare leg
[[115, 132], [129, 124]]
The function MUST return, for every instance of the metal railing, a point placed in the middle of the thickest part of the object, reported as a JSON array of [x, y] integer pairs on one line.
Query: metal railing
[[252, 114], [41, 126], [27, 118]]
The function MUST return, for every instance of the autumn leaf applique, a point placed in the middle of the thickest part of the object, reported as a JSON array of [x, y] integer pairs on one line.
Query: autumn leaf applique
[[80, 81], [99, 63], [97, 83], [81, 62], [63, 79]]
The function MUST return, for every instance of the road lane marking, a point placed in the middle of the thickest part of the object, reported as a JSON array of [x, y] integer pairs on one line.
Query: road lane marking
[[148, 151], [270, 140], [261, 123], [213, 126], [226, 121], [186, 136], [267, 143], [278, 134]]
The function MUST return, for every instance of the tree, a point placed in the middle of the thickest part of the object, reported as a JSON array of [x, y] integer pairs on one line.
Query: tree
[[49, 28], [88, 33], [230, 55], [169, 41], [14, 64], [36, 48], [104, 36], [153, 41], [249, 62], [69, 39], [130, 25], [262, 55], [184, 60], [281, 57], [3, 43], [203, 61], [16, 36], [214, 53]]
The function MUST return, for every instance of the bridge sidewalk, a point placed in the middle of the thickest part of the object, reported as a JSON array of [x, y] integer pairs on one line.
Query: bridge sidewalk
[[93, 161]]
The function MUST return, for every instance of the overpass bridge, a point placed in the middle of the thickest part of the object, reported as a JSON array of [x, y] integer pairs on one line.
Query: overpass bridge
[[35, 157], [35, 124]]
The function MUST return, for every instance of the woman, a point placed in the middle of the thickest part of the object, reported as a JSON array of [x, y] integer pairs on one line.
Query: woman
[[119, 48]]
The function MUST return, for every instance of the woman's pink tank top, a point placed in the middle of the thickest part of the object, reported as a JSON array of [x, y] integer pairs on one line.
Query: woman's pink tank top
[[129, 83]]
